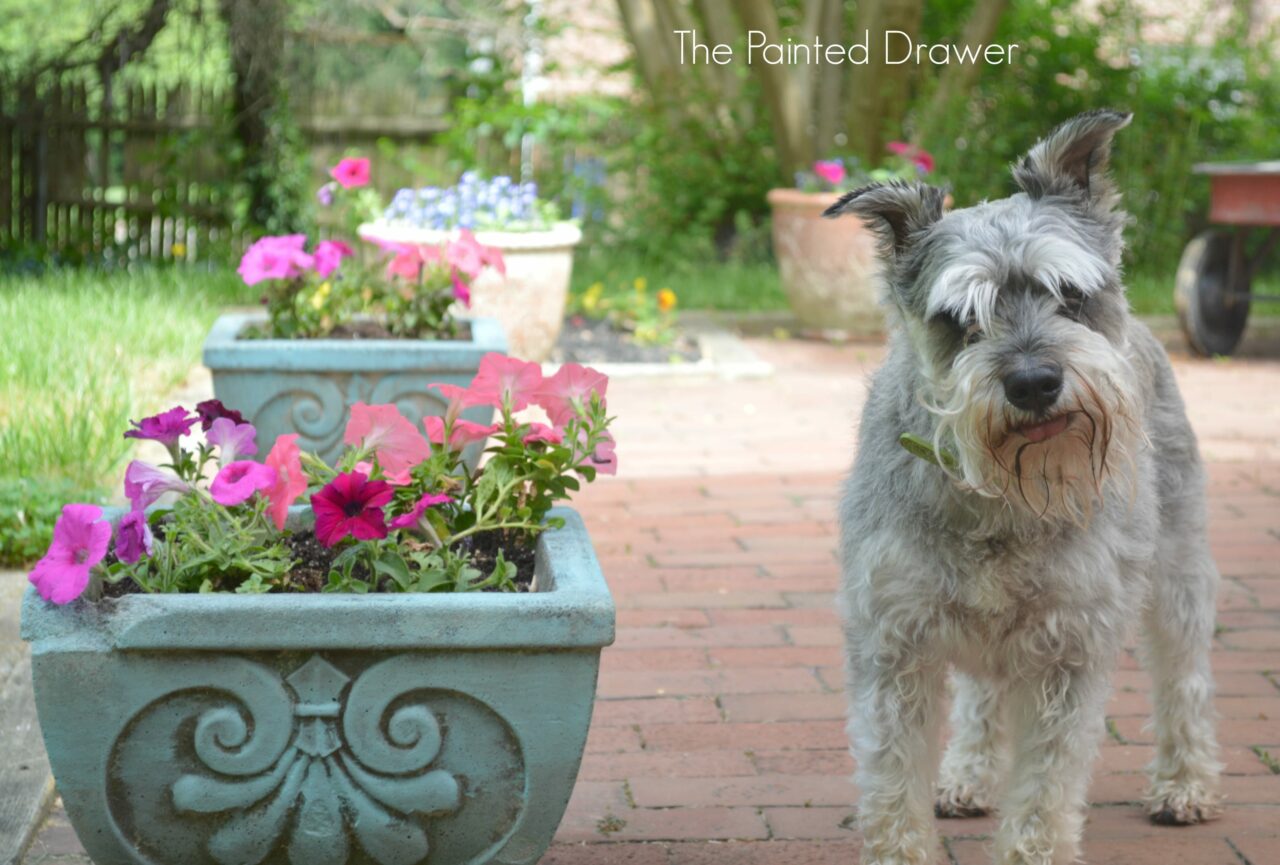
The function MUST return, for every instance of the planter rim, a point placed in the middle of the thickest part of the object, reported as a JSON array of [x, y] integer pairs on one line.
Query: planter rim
[[562, 235], [576, 611], [786, 196], [223, 351]]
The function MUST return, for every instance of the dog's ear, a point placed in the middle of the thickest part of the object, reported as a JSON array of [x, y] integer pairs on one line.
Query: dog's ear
[[894, 211], [1072, 159]]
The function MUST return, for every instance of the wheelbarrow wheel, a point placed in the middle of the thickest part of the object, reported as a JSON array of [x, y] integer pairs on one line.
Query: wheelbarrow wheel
[[1211, 293]]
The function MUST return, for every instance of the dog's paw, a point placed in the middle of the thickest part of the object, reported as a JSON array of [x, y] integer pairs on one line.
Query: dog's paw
[[960, 802], [1182, 804]]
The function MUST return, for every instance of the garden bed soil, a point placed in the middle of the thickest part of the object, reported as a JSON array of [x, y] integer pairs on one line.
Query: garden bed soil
[[586, 340], [358, 330], [312, 562]]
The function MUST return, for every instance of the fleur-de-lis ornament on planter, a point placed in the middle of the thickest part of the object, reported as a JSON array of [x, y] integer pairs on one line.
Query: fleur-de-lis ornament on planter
[[326, 789]]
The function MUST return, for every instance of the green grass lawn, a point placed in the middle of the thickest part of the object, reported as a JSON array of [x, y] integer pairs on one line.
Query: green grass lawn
[[83, 353]]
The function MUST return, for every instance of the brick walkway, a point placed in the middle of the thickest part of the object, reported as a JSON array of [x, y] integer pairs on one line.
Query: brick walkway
[[718, 734]]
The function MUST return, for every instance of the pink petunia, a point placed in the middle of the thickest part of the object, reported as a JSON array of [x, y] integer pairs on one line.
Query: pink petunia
[[233, 440], [461, 291], [275, 257], [829, 170], [351, 172], [567, 393], [463, 433], [390, 435], [923, 160], [133, 537], [328, 256], [419, 508], [540, 432], [80, 540], [351, 504], [236, 482], [504, 382], [145, 483], [289, 483], [605, 458]]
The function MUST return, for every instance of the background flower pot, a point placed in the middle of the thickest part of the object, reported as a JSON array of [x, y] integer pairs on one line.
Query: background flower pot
[[324, 729], [530, 300], [828, 266], [308, 386]]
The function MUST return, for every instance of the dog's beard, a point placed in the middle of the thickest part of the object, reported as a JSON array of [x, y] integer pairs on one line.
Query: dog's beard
[[1063, 478]]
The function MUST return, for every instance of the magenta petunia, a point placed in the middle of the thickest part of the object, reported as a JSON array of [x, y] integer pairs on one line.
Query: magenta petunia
[[351, 172], [80, 540], [328, 256], [351, 504], [133, 537], [166, 427], [144, 483], [236, 482], [275, 257], [210, 410], [461, 291], [233, 440], [567, 393], [405, 521], [830, 171], [503, 380]]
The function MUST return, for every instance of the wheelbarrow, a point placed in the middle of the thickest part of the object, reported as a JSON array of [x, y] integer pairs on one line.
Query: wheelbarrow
[[1213, 288]]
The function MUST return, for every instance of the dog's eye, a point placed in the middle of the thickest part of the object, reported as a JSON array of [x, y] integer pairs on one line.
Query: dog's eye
[[972, 334], [1072, 300]]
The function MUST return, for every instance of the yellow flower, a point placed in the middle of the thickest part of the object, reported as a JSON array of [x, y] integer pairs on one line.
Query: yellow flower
[[641, 284], [591, 297], [179, 250], [666, 299], [322, 293]]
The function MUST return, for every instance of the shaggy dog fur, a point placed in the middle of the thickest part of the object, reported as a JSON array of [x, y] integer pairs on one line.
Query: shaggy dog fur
[[1069, 505]]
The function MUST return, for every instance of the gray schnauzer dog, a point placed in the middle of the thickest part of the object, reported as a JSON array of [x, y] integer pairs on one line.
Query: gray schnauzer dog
[[1059, 500]]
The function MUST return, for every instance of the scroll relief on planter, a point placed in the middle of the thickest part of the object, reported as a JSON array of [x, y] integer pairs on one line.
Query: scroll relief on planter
[[309, 775], [317, 406]]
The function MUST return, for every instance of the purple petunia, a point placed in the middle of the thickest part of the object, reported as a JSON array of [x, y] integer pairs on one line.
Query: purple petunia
[[80, 539], [166, 427], [233, 440], [133, 537], [144, 483], [211, 409]]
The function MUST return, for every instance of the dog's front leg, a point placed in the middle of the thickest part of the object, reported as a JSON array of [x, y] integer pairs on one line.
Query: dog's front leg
[[1057, 719], [893, 728]]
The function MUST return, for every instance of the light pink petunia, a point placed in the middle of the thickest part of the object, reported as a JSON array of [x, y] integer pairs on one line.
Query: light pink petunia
[[540, 432], [830, 171], [290, 481], [144, 483], [133, 537], [390, 435], [236, 482], [504, 381], [328, 256], [351, 172], [233, 440], [463, 433], [80, 540], [568, 392], [605, 457], [419, 508]]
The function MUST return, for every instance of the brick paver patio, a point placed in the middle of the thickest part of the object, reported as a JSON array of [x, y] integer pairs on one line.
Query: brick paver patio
[[718, 734]]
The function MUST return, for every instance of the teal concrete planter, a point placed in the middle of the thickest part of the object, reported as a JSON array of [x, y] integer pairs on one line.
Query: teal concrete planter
[[324, 729], [307, 386]]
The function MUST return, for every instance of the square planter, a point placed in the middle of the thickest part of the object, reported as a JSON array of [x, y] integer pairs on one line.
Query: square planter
[[317, 729], [307, 386]]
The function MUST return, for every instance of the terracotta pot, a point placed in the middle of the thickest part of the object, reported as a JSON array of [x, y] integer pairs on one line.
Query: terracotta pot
[[828, 266], [530, 300]]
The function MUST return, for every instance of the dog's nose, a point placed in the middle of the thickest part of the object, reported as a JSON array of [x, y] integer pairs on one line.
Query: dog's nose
[[1034, 387]]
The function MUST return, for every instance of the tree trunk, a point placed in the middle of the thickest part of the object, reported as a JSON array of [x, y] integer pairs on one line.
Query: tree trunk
[[785, 90], [957, 78], [878, 92], [255, 30]]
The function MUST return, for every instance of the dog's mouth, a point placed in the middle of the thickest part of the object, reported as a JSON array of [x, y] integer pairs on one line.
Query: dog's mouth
[[1045, 430]]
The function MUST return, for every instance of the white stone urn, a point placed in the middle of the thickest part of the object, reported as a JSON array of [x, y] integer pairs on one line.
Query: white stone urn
[[530, 300]]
